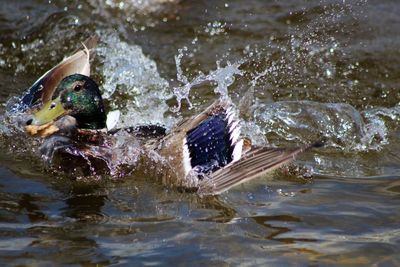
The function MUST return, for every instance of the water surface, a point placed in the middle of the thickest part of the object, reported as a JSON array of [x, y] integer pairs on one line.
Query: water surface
[[297, 70]]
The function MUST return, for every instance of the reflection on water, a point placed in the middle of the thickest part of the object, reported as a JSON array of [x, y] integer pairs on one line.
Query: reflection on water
[[84, 204], [268, 222], [298, 71]]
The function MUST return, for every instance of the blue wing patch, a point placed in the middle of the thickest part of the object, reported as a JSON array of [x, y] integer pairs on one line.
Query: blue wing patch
[[209, 144]]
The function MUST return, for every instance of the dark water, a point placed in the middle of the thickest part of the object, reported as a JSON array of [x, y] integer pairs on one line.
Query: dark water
[[316, 69]]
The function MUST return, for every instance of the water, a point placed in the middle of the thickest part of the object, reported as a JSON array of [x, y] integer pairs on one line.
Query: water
[[297, 70]]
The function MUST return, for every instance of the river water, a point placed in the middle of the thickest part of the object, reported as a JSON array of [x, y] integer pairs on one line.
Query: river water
[[298, 71]]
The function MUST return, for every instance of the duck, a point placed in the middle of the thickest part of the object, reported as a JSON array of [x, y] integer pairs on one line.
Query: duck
[[205, 153]]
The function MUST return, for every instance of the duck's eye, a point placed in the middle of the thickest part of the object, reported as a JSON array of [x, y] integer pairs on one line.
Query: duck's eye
[[52, 105], [77, 88]]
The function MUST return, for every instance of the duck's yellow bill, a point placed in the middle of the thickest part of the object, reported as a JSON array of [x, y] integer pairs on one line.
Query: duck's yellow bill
[[49, 112]]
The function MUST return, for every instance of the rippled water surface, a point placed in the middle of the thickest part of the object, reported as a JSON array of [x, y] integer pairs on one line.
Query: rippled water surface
[[298, 71]]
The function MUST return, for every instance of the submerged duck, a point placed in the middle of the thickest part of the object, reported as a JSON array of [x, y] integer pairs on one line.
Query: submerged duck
[[204, 153]]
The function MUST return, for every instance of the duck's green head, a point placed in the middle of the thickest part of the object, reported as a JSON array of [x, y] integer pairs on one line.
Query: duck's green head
[[78, 96]]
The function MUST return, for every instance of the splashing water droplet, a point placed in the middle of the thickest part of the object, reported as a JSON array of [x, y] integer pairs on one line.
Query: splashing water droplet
[[128, 72], [341, 124], [223, 77]]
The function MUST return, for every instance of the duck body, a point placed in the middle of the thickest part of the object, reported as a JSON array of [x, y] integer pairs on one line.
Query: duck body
[[204, 153], [72, 125]]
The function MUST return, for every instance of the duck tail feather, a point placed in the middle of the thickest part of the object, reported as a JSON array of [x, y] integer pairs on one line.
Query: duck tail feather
[[255, 163]]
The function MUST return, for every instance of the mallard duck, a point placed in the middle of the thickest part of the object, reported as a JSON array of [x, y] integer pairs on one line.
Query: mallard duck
[[42, 90], [204, 153]]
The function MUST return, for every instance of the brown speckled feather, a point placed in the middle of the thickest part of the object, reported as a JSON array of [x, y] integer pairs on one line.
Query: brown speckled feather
[[255, 163]]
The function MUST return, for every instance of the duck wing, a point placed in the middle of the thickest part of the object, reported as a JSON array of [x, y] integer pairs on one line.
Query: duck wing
[[206, 154], [255, 163], [202, 144]]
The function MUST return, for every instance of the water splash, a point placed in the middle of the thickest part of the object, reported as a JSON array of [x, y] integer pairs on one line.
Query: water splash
[[379, 124], [215, 28], [138, 14], [221, 77], [309, 58], [144, 7], [341, 124], [132, 83]]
